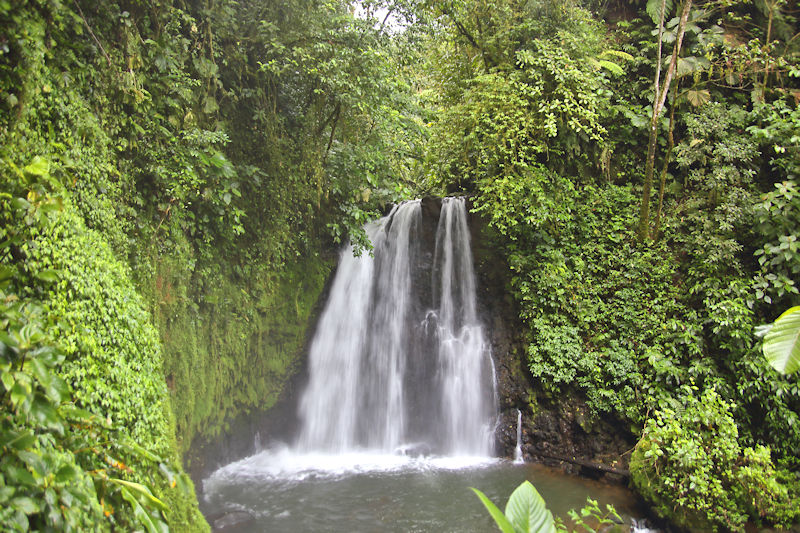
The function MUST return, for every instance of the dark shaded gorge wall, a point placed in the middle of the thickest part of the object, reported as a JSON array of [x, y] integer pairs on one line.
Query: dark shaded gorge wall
[[229, 348], [276, 421], [282, 348], [231, 338]]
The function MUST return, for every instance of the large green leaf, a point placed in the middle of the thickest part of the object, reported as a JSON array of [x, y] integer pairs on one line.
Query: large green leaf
[[151, 524], [782, 343], [527, 512], [38, 167], [141, 491], [502, 522], [18, 440], [135, 449]]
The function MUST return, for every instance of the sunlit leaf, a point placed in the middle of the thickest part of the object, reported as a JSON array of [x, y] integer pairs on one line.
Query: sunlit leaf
[[698, 98], [141, 514], [501, 520], [611, 67], [49, 275], [138, 450], [527, 512], [66, 473], [37, 167], [25, 504], [782, 342], [141, 491]]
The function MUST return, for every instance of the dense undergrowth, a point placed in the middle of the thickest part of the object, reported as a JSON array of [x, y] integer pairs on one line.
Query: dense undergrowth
[[174, 178], [88, 432], [545, 119]]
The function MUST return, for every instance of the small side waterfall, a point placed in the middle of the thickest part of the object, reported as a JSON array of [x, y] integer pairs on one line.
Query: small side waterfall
[[398, 363], [518, 449]]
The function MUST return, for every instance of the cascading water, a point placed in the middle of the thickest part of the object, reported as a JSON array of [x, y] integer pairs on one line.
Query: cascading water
[[395, 363], [518, 449]]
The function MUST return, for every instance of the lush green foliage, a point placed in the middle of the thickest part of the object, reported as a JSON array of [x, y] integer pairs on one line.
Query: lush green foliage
[[217, 148], [200, 159], [551, 143], [87, 426], [533, 91], [41, 484], [690, 465]]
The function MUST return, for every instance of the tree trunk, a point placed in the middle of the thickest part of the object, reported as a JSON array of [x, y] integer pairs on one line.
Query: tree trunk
[[771, 8], [667, 157], [644, 211], [660, 97]]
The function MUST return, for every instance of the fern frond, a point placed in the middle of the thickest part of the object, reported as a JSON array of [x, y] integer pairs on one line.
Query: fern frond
[[616, 53]]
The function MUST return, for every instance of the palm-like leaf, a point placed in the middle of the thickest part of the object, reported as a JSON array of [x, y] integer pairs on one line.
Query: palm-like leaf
[[653, 8], [527, 512], [502, 522]]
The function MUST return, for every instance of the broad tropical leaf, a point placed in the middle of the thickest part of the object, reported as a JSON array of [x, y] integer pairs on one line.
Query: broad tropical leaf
[[527, 512], [142, 491], [698, 98], [611, 67], [502, 522], [692, 64], [141, 514], [616, 53], [782, 343]]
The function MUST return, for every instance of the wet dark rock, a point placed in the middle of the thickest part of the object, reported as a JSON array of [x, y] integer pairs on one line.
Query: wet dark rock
[[418, 449]]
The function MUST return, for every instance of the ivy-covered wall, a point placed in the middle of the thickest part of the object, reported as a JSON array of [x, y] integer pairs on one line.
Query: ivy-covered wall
[[88, 433], [229, 344], [113, 355]]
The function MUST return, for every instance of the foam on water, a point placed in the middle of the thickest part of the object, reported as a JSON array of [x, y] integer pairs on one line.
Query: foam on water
[[287, 465]]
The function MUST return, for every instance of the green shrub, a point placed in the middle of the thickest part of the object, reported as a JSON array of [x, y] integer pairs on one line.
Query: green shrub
[[690, 466]]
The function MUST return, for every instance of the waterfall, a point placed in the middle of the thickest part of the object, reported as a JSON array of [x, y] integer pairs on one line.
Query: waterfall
[[518, 449], [462, 358], [399, 361]]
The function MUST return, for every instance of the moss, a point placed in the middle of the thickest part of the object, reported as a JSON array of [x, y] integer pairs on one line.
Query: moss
[[114, 361], [229, 341]]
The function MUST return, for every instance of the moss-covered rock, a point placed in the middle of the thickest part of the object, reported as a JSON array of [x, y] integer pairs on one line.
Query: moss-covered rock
[[230, 341]]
